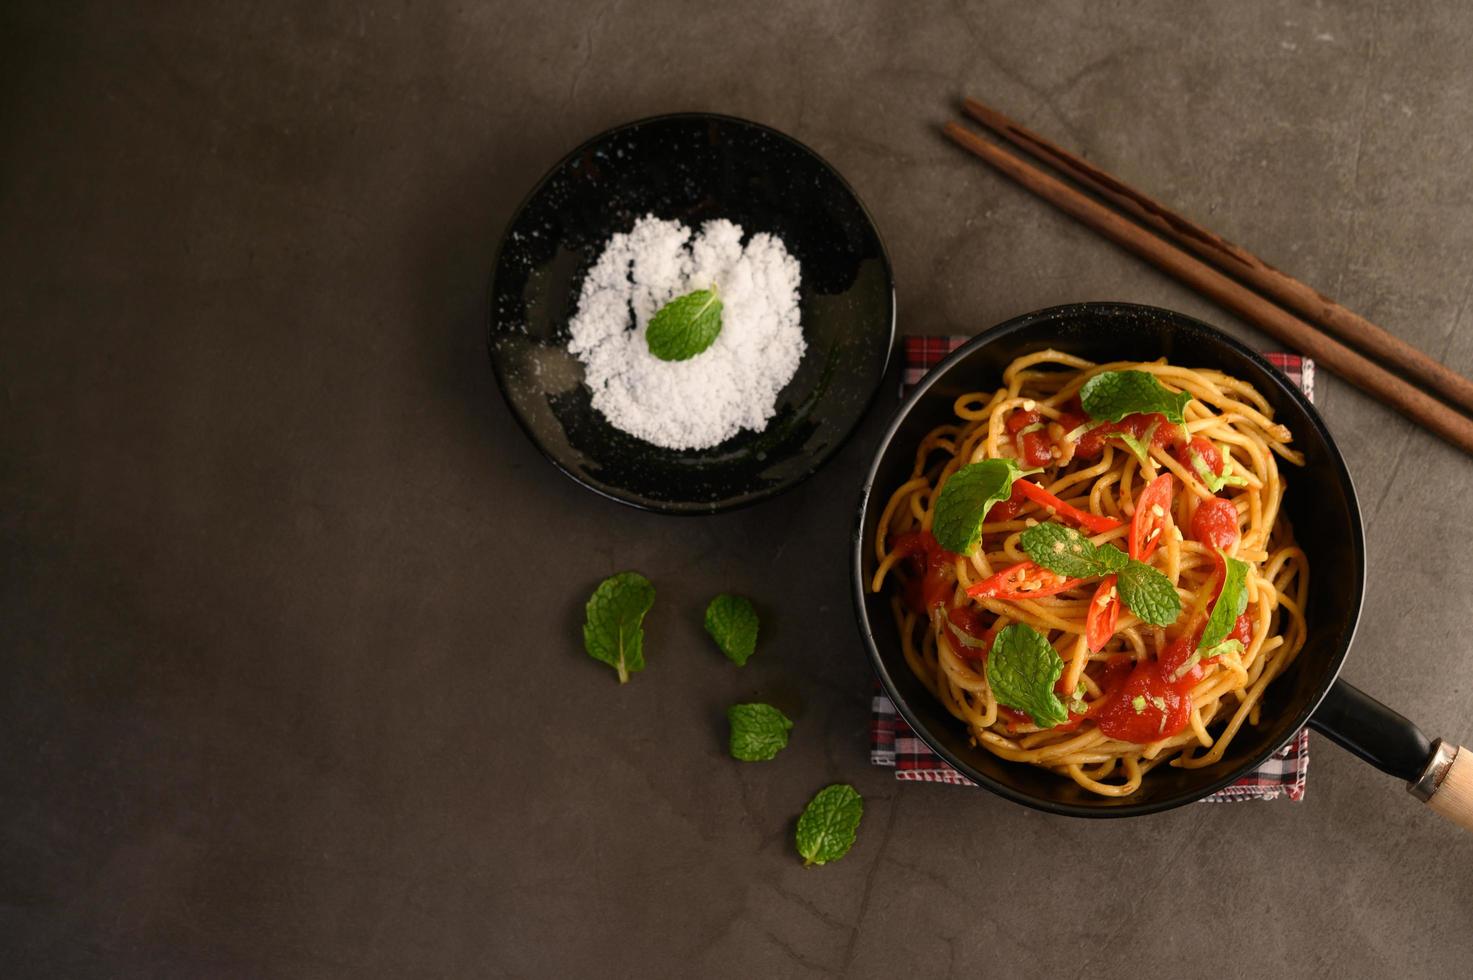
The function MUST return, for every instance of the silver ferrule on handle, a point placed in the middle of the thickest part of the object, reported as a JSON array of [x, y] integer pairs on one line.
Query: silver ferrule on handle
[[1438, 764]]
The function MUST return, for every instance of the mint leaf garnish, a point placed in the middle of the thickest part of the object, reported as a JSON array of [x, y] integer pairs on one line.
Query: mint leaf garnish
[[732, 623], [612, 631], [1137, 446], [1213, 481], [827, 827], [758, 731], [1112, 395], [685, 326], [1231, 602], [1022, 669], [1200, 654], [1149, 594], [965, 499], [1065, 551]]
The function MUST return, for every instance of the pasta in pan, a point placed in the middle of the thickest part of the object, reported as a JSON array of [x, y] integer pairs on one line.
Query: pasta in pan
[[1091, 567]]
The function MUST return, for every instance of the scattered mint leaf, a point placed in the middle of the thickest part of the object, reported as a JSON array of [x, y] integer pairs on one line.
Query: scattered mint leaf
[[1149, 594], [827, 827], [1112, 395], [965, 499], [1022, 670], [1065, 551], [612, 631], [1231, 602], [758, 731], [732, 623], [685, 326]]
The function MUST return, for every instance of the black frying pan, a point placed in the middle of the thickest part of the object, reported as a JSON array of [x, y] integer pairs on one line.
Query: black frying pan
[[1320, 502]]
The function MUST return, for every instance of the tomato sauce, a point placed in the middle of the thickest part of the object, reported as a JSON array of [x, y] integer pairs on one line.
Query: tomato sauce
[[1006, 510], [1215, 523], [971, 636], [930, 577], [1147, 708], [1092, 443]]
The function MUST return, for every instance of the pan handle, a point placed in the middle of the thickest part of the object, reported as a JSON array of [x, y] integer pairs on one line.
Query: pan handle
[[1439, 774]]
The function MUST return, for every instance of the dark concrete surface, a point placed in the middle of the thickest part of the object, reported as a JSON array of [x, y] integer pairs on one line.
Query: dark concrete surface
[[291, 681]]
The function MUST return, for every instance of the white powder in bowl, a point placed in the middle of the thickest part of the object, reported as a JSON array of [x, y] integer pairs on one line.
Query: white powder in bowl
[[730, 386]]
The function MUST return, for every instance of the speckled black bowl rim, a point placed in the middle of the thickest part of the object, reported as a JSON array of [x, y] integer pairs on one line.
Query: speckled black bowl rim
[[690, 508], [858, 585]]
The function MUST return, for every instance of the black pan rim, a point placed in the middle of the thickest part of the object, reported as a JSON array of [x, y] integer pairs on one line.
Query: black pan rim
[[858, 585], [689, 508]]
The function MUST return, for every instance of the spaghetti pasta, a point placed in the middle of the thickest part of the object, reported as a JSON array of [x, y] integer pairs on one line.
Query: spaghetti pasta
[[1191, 499]]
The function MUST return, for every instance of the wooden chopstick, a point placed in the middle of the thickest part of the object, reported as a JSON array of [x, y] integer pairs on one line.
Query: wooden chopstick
[[1388, 349], [1370, 377]]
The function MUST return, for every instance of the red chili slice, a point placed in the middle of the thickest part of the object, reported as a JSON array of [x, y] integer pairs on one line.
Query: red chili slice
[[1093, 523], [1148, 527], [1104, 611], [1024, 580]]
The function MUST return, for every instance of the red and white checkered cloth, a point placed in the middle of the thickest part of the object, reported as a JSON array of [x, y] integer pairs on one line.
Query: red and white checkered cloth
[[894, 744]]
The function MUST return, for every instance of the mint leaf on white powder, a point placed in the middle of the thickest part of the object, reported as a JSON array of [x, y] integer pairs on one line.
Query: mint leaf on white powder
[[685, 326]]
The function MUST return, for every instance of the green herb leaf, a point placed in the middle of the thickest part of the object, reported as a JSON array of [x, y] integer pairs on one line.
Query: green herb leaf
[[1022, 669], [965, 499], [758, 731], [1231, 602], [1213, 481], [612, 631], [1065, 551], [1200, 654], [1112, 395], [1226, 646], [732, 623], [685, 326], [1149, 594], [827, 827], [1077, 705], [1139, 447]]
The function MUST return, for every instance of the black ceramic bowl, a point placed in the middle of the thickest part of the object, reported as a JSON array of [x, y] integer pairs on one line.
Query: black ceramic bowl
[[1320, 503], [692, 168]]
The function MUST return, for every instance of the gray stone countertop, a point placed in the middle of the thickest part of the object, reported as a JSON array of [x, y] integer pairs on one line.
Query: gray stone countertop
[[291, 675]]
